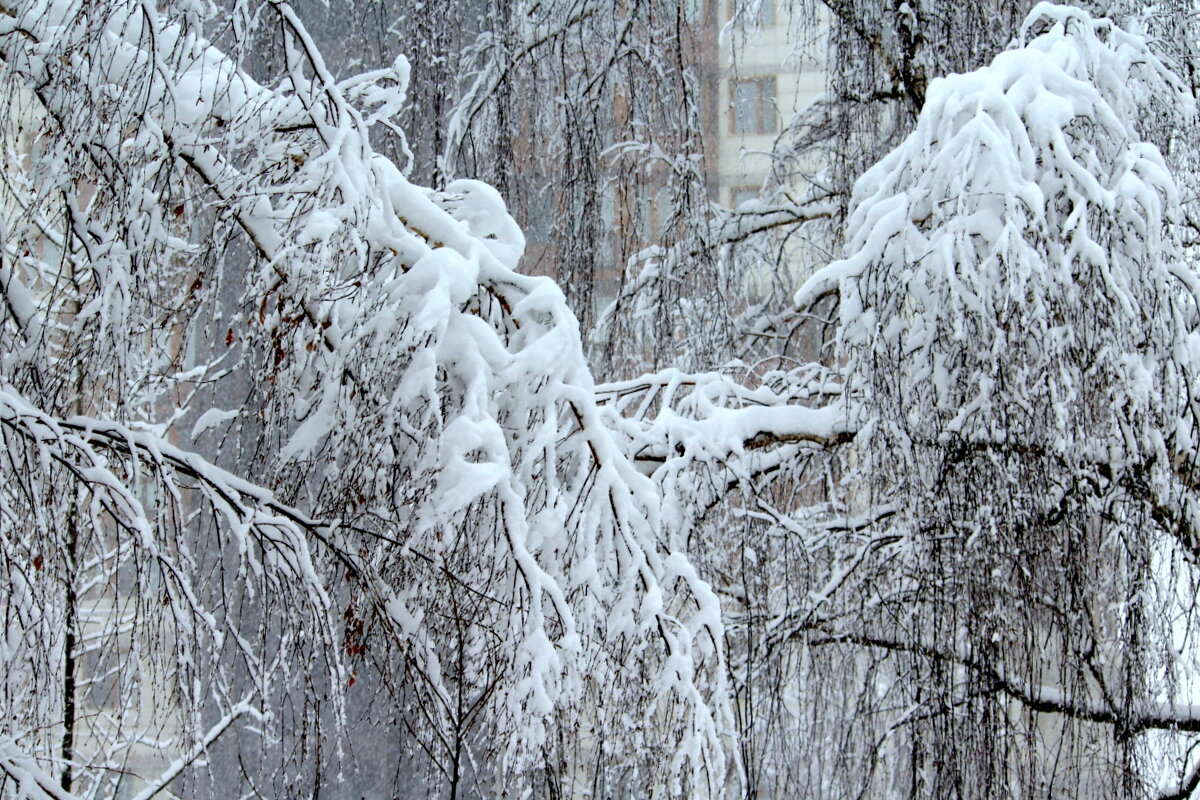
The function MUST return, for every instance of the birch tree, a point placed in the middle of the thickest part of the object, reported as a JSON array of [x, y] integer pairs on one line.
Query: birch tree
[[966, 562], [412, 487]]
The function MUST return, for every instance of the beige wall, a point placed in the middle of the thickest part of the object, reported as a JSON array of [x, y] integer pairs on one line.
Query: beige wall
[[773, 51]]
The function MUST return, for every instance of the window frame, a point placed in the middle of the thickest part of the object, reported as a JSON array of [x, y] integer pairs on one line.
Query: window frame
[[763, 16], [765, 104]]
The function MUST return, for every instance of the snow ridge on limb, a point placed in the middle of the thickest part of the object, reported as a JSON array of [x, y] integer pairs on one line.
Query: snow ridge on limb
[[31, 781], [422, 399], [717, 415]]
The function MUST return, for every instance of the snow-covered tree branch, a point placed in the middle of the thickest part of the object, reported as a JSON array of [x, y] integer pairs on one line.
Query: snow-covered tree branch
[[426, 406]]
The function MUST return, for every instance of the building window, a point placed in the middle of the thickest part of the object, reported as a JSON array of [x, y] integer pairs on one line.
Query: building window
[[755, 12], [766, 12], [754, 106], [742, 195]]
